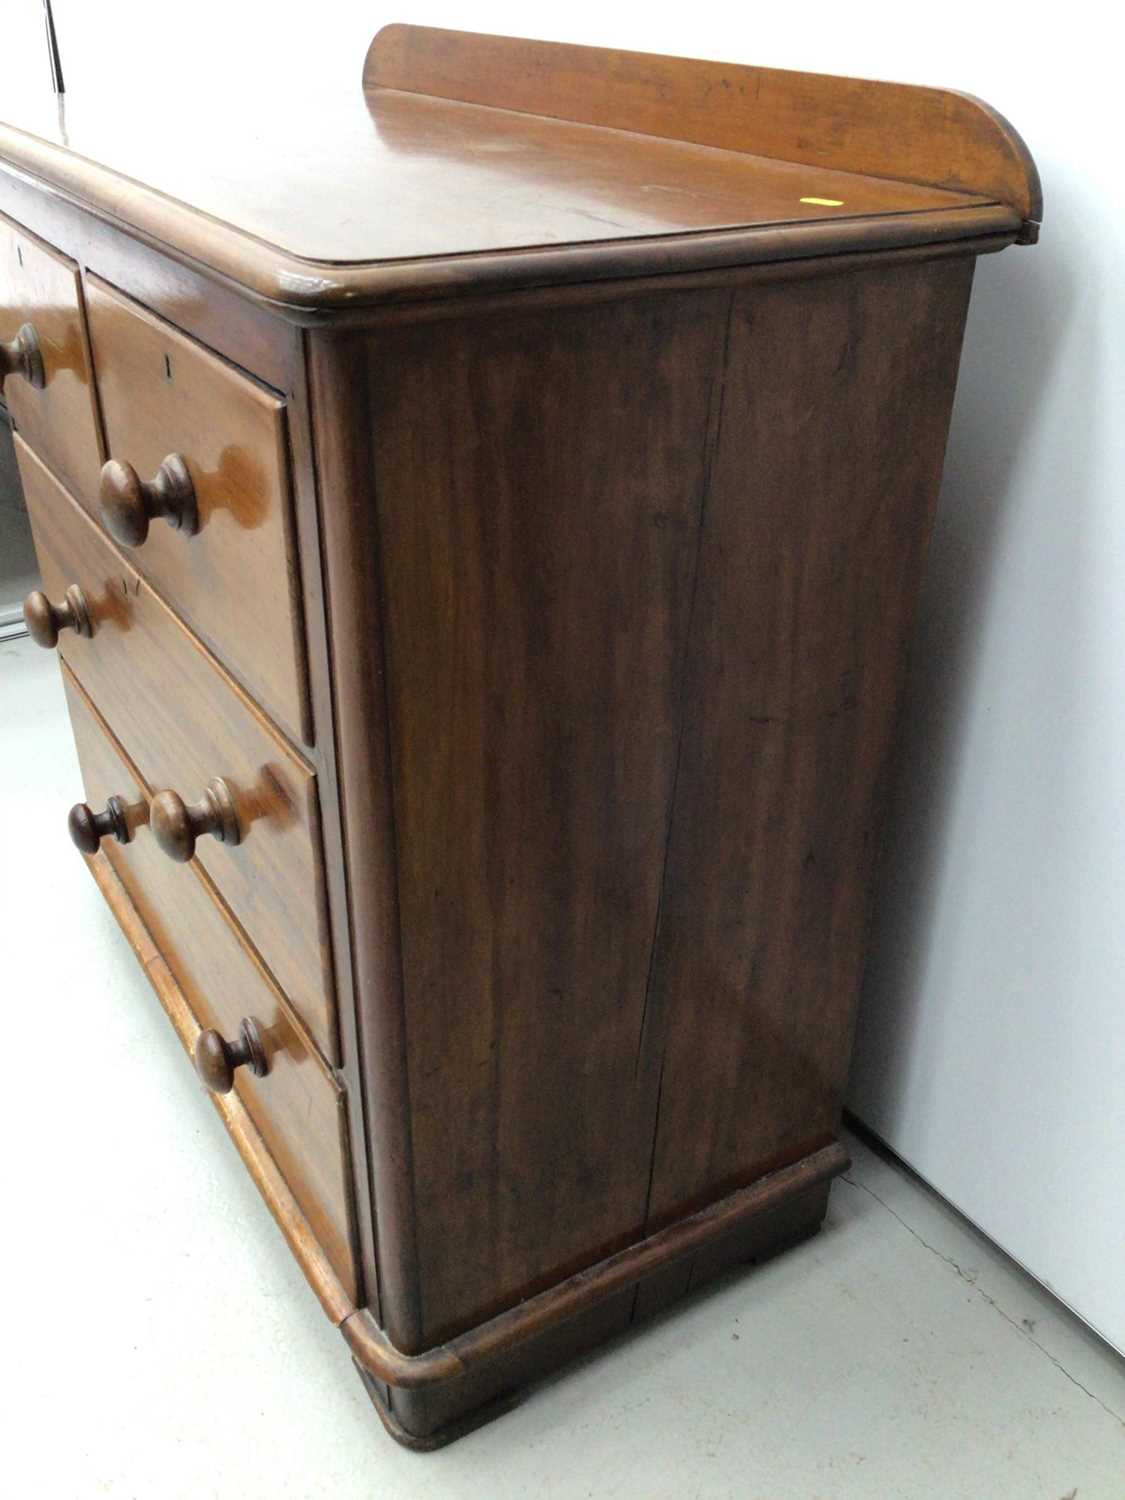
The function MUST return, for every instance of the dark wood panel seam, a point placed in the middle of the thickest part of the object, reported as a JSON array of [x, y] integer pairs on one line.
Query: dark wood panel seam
[[714, 426], [567, 1299], [712, 440], [652, 1149]]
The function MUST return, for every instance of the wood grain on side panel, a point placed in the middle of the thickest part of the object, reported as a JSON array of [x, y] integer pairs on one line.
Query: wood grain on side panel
[[835, 414], [538, 510]]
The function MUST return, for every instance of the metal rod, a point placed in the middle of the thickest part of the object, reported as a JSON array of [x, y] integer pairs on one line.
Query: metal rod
[[53, 50]]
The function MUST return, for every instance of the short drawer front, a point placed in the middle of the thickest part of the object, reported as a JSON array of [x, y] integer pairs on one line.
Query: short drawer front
[[235, 579], [297, 1107], [182, 723], [42, 288]]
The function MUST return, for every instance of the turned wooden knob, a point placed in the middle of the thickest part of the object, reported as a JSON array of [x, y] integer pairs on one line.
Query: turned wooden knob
[[216, 1059], [44, 620], [87, 829], [177, 824], [130, 503], [22, 356]]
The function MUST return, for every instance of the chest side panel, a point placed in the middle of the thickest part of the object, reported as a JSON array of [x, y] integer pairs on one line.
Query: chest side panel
[[538, 482], [831, 439]]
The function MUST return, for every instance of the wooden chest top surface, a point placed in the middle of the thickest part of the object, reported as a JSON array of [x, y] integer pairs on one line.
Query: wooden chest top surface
[[396, 176], [461, 148]]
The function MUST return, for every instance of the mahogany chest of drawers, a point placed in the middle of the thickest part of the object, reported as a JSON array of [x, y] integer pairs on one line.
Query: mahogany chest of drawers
[[481, 548]]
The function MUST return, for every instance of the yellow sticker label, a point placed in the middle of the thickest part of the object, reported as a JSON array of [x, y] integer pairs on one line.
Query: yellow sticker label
[[825, 202]]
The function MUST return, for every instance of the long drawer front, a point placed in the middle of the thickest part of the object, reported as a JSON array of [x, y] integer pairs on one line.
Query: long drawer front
[[297, 1106], [183, 722]]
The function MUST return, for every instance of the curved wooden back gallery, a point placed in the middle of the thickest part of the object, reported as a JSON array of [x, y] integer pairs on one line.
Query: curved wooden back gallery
[[528, 591]]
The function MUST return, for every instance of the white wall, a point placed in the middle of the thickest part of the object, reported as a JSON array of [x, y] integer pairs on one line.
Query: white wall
[[991, 1047]]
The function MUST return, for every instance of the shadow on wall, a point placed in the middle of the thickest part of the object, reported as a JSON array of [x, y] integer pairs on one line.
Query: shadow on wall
[[1000, 481]]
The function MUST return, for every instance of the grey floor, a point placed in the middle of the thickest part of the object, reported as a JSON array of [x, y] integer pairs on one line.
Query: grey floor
[[159, 1342]]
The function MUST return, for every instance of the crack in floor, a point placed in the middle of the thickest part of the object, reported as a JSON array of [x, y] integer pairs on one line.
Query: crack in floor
[[1020, 1327]]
